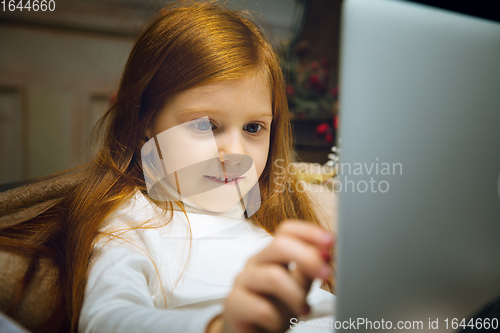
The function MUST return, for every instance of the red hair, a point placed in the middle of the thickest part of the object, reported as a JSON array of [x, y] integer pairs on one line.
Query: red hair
[[186, 46]]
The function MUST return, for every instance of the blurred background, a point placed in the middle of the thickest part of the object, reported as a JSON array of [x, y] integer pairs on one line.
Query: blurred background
[[60, 69]]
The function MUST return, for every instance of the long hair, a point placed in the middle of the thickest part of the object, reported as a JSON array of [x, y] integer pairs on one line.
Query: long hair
[[52, 225]]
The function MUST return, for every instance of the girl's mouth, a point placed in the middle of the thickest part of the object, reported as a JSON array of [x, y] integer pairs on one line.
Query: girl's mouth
[[224, 180]]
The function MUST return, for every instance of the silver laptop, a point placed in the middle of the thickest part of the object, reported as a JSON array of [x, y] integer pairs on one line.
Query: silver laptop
[[419, 183]]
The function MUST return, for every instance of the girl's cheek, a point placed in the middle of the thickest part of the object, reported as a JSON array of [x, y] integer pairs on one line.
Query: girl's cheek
[[182, 148]]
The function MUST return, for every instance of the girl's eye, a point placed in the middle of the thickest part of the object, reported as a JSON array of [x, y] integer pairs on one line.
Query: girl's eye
[[204, 125], [252, 128]]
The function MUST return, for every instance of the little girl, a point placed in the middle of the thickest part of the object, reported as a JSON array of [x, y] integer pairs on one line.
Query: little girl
[[179, 223]]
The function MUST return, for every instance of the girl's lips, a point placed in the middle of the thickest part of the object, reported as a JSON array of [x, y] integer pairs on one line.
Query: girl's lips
[[223, 180]]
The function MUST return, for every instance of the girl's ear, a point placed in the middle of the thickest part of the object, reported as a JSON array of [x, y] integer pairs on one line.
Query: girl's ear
[[149, 131], [146, 149], [148, 135]]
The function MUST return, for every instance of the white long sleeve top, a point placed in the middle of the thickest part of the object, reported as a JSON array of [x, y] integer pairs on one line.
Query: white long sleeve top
[[142, 281]]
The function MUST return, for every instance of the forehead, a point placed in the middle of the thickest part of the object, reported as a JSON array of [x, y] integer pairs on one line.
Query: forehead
[[248, 95]]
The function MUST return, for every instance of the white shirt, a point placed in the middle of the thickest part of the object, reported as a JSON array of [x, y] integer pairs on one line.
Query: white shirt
[[142, 280]]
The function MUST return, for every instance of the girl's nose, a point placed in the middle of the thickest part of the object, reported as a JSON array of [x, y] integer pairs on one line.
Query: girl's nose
[[230, 147], [235, 159]]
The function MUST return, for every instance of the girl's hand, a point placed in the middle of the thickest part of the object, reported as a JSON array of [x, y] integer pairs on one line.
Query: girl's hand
[[266, 294]]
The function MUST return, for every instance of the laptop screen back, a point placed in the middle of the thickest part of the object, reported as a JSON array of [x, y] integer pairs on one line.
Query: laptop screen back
[[419, 183]]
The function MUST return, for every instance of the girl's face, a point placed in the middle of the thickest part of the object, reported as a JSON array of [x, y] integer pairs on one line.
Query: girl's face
[[211, 134]]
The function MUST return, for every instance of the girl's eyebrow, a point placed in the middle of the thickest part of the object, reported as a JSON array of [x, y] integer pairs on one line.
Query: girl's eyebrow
[[218, 112]]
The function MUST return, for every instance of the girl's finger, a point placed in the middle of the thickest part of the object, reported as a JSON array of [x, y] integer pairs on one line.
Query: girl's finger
[[285, 249], [275, 280], [245, 309], [284, 311], [301, 279], [307, 232]]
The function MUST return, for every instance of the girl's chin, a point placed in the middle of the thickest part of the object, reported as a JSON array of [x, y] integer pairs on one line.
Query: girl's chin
[[218, 207], [217, 200]]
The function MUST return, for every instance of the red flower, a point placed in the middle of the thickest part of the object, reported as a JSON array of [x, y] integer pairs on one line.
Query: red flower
[[314, 65], [329, 138], [325, 62], [322, 128], [336, 122], [289, 90], [314, 79], [334, 92]]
